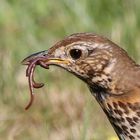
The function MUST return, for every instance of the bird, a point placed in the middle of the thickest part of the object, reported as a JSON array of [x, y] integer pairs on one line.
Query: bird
[[111, 75]]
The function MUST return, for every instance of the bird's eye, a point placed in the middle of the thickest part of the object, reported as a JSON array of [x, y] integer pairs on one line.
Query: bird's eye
[[75, 53]]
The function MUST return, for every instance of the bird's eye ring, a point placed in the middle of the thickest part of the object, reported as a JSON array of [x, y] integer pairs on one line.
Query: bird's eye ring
[[75, 53]]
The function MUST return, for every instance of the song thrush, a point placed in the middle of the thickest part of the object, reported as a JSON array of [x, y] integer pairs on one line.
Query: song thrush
[[111, 75]]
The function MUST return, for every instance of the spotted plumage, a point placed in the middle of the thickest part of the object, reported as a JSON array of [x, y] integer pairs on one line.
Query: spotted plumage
[[111, 75]]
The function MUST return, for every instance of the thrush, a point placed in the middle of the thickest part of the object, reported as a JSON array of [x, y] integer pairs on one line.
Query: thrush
[[111, 75]]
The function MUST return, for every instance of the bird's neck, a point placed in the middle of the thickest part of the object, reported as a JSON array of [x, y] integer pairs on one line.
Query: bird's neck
[[118, 93], [122, 111]]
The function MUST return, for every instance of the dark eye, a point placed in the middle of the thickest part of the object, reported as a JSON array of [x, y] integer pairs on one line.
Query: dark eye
[[75, 53]]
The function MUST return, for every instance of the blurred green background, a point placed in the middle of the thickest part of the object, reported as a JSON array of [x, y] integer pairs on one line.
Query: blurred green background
[[63, 109]]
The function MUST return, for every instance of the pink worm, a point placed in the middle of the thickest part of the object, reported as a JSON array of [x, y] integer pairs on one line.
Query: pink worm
[[30, 74]]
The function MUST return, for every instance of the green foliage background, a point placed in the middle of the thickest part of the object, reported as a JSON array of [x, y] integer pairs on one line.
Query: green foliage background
[[63, 109]]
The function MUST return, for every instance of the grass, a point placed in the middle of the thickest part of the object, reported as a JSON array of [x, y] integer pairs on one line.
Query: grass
[[62, 110]]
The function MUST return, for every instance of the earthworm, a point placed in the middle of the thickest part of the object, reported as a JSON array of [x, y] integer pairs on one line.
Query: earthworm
[[30, 74]]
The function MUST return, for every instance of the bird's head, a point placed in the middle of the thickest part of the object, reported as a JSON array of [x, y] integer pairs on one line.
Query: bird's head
[[92, 58]]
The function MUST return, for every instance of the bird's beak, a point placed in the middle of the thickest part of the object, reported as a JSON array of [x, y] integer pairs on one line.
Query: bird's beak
[[44, 59]]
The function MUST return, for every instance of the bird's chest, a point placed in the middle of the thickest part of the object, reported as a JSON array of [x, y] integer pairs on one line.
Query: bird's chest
[[125, 118], [123, 113]]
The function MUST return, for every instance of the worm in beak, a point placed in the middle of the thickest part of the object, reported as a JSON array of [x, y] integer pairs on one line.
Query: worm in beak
[[42, 59]]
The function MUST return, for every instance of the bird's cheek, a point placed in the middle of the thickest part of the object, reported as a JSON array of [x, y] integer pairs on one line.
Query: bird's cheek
[[78, 71]]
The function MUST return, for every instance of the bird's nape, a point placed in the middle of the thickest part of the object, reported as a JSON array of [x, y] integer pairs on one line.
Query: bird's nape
[[112, 76]]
